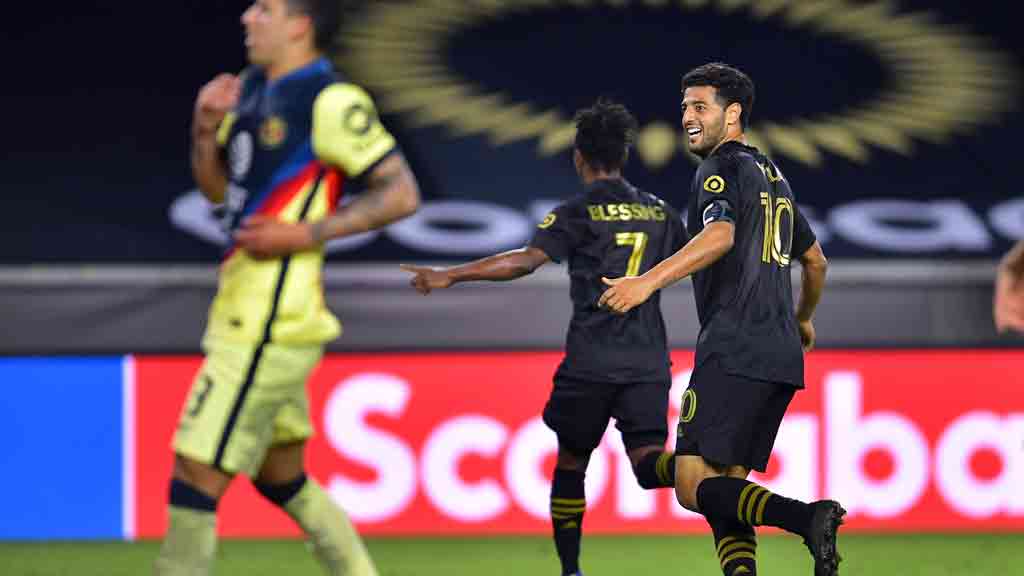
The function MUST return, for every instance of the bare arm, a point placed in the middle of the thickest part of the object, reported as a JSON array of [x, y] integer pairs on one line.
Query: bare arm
[[713, 242], [1012, 264], [499, 267], [1008, 304], [207, 168], [392, 195], [215, 99], [703, 250], [814, 266]]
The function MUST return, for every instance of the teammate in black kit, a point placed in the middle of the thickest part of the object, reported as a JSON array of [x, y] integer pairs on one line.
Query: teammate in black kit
[[746, 230], [615, 365]]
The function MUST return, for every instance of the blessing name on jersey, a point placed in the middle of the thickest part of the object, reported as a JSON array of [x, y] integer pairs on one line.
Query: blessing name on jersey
[[625, 212]]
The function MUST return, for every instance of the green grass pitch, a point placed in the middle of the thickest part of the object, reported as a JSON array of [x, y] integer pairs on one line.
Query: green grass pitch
[[640, 555]]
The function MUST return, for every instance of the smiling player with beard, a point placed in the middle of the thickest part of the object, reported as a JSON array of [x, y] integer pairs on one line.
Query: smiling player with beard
[[746, 229]]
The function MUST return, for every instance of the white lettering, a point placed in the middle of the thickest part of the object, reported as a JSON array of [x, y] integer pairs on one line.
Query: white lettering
[[796, 447], [631, 501], [1007, 218], [962, 490], [441, 455], [349, 434], [851, 436], [935, 225], [490, 228]]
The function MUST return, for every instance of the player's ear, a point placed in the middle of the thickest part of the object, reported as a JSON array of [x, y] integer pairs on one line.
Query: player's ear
[[578, 161], [733, 112], [300, 25]]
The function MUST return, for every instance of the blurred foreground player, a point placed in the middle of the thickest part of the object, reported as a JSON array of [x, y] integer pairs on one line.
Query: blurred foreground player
[[277, 146], [746, 231], [614, 366], [1008, 305]]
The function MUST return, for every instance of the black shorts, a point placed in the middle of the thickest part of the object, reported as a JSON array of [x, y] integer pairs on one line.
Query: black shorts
[[730, 420], [578, 412]]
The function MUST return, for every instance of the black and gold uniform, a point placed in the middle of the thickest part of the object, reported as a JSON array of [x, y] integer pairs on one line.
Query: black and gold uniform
[[615, 365], [749, 359]]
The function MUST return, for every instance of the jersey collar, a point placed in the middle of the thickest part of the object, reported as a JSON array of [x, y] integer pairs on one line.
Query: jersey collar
[[319, 66]]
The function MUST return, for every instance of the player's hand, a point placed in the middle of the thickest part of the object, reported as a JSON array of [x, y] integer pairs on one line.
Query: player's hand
[[1008, 304], [807, 334], [216, 98], [264, 237], [625, 293], [426, 278]]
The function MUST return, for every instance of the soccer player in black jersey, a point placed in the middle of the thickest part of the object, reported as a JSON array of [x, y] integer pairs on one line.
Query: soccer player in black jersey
[[615, 365], [746, 230]]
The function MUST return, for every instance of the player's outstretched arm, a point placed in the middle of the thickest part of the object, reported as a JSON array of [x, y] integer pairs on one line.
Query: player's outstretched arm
[[814, 267], [216, 98], [1008, 304], [499, 267], [703, 250]]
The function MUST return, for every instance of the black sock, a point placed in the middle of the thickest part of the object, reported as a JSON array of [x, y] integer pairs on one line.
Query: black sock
[[185, 495], [656, 470], [280, 494], [568, 503], [736, 545], [725, 499]]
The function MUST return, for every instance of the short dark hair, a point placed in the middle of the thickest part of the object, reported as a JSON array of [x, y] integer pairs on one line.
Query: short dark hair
[[326, 17], [604, 134], [731, 84]]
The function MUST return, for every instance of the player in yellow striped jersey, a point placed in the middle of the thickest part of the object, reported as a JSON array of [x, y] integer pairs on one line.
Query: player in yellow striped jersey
[[277, 146]]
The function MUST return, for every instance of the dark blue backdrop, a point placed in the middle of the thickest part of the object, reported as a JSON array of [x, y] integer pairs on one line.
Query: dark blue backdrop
[[96, 139]]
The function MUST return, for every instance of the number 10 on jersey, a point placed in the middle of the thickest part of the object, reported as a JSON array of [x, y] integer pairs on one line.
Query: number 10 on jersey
[[638, 240], [777, 247]]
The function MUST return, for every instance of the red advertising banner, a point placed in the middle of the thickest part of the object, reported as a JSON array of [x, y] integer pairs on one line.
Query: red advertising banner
[[452, 443]]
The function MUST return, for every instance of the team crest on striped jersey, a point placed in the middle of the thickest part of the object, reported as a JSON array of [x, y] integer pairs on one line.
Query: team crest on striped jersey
[[273, 132]]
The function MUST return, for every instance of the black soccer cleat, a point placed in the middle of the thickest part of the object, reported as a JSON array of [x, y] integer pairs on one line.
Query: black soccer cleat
[[821, 538]]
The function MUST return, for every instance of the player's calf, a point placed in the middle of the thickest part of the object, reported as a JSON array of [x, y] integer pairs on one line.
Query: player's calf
[[568, 504], [336, 544], [736, 546], [734, 499], [190, 543]]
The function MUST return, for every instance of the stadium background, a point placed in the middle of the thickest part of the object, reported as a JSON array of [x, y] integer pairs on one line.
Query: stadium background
[[895, 121]]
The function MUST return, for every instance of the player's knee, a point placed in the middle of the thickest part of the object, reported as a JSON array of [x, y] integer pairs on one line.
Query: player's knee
[[203, 477], [646, 470], [686, 495], [571, 459], [188, 496], [280, 494], [690, 472]]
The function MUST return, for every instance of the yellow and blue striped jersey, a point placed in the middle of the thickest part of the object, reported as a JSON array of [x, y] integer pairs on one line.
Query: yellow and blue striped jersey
[[290, 147]]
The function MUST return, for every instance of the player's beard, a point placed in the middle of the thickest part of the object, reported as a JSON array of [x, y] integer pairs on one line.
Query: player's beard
[[711, 136]]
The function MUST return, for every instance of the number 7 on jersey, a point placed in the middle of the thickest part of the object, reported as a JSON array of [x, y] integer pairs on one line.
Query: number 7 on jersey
[[638, 240]]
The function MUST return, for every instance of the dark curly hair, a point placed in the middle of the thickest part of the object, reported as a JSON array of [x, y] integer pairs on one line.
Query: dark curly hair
[[731, 84], [326, 17], [604, 134]]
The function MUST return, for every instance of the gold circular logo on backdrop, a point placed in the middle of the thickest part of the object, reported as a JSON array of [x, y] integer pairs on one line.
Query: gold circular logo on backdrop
[[945, 81], [714, 184]]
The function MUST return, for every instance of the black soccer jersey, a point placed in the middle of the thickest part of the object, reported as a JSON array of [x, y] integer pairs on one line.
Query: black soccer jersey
[[745, 299], [612, 230]]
